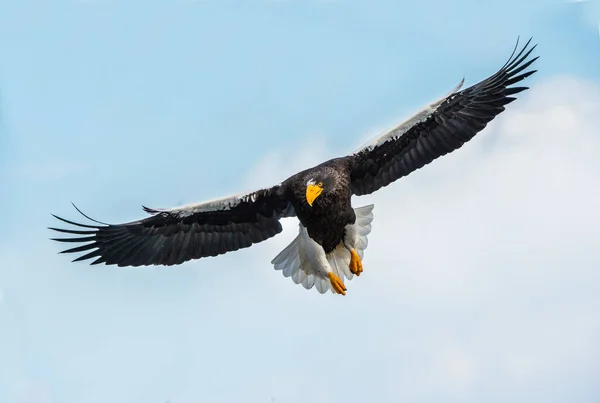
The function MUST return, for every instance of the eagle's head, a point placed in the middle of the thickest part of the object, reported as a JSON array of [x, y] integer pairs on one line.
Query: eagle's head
[[316, 186]]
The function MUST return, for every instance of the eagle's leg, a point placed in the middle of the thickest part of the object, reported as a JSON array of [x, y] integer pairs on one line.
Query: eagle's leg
[[355, 263], [337, 284]]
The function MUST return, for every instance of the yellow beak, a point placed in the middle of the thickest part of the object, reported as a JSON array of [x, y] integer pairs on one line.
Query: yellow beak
[[312, 192]]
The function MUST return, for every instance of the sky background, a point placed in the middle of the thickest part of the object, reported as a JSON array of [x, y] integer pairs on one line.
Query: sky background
[[482, 275]]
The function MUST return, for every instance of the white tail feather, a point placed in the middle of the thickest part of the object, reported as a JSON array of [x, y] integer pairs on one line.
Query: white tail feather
[[364, 218], [302, 260]]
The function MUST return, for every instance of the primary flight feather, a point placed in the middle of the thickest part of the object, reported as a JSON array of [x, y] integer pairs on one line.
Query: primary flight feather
[[332, 235]]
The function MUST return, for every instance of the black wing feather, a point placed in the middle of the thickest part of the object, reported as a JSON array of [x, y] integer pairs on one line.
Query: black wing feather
[[455, 121], [171, 238]]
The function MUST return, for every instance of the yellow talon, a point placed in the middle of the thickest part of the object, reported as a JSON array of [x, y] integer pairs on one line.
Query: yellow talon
[[355, 263], [337, 284]]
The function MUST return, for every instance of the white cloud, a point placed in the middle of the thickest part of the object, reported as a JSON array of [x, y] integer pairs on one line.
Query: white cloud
[[480, 284], [280, 164], [456, 369], [497, 240]]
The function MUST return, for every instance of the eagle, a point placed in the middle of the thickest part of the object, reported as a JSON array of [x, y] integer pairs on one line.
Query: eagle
[[332, 236]]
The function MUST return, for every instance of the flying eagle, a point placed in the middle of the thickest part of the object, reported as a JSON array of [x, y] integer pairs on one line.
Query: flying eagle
[[332, 235]]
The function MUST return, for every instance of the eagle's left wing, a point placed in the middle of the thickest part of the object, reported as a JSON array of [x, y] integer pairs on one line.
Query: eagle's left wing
[[440, 128], [173, 236]]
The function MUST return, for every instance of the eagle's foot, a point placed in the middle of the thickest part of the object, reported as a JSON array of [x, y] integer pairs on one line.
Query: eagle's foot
[[355, 263], [337, 284]]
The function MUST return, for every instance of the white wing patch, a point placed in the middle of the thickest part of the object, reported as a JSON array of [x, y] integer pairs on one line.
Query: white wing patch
[[306, 263], [403, 127], [219, 204]]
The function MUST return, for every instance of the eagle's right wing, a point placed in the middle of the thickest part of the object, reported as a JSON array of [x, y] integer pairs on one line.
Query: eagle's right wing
[[173, 236]]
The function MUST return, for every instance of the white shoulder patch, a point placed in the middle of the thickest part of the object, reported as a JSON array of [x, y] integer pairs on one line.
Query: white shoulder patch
[[422, 115], [219, 204]]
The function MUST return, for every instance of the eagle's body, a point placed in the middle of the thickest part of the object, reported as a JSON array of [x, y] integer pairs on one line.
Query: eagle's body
[[332, 233], [327, 218]]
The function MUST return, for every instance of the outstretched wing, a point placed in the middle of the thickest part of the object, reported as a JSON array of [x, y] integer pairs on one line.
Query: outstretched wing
[[440, 128], [173, 236]]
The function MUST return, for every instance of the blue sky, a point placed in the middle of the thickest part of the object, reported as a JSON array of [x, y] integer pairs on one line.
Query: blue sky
[[113, 105]]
